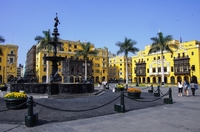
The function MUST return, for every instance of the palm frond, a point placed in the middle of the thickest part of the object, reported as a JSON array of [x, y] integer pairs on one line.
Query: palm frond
[[2, 39]]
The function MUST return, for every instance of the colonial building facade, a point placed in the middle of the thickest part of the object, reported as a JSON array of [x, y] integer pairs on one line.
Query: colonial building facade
[[8, 62], [117, 69], [72, 69], [182, 64]]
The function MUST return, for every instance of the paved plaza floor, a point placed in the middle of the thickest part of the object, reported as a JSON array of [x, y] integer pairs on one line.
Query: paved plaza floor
[[181, 116]]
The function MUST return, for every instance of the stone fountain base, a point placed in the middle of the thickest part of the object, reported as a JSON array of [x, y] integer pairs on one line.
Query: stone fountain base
[[51, 89]]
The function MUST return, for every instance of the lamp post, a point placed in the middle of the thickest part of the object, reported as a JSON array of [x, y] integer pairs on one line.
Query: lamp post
[[136, 77]]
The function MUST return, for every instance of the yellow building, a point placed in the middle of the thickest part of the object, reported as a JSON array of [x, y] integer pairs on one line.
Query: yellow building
[[68, 50], [117, 68], [8, 62], [183, 63]]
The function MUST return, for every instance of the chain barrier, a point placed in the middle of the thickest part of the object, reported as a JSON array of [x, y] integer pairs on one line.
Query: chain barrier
[[155, 90], [65, 110], [3, 110], [14, 107], [147, 100], [161, 92]]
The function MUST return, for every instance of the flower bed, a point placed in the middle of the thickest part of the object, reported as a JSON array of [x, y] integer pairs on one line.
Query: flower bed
[[119, 87], [134, 93], [134, 90], [15, 100]]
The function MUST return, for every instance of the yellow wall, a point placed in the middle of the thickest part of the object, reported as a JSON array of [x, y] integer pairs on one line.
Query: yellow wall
[[8, 63], [190, 48], [100, 62], [118, 64]]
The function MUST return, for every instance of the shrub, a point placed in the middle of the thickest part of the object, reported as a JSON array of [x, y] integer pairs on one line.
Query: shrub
[[133, 90], [15, 95], [119, 86]]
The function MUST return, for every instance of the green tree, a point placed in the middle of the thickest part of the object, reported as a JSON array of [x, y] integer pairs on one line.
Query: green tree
[[43, 44], [161, 44], [2, 40], [44, 41], [85, 52], [125, 47]]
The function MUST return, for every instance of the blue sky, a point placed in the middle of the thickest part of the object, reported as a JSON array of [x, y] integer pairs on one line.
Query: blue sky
[[102, 22]]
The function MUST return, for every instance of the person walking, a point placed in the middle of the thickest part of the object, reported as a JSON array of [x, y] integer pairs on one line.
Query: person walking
[[180, 88], [186, 86], [99, 84], [194, 85]]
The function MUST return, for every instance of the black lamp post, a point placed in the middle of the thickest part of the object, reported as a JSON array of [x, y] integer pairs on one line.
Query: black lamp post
[[136, 77]]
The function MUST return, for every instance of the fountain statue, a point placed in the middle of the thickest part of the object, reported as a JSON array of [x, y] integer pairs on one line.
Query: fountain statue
[[55, 86], [54, 59]]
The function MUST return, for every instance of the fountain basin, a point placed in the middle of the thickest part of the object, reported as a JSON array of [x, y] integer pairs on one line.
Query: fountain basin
[[52, 88]]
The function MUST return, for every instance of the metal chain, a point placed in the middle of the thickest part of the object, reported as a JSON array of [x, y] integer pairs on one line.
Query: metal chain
[[15, 107], [146, 100], [65, 110], [3, 110]]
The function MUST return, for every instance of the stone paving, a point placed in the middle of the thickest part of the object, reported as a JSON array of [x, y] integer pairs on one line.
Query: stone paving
[[182, 116]]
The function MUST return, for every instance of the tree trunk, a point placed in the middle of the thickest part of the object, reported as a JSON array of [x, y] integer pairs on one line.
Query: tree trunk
[[162, 67], [126, 71], [85, 70], [47, 71]]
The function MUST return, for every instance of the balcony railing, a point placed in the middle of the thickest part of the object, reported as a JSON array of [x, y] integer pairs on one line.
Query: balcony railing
[[158, 73]]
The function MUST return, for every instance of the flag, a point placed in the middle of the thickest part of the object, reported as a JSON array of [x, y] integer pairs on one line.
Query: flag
[[180, 40]]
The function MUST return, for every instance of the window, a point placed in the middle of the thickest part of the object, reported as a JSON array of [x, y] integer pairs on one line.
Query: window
[[183, 54], [154, 70], [11, 52], [171, 56], [120, 64], [120, 68], [192, 53], [154, 58], [75, 46], [120, 59], [158, 57], [97, 65], [0, 59], [11, 60], [172, 69], [159, 69], [44, 70], [0, 68], [148, 70], [147, 59], [165, 69]]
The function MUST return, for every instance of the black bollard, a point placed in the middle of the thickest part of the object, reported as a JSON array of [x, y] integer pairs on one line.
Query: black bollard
[[158, 93], [169, 100], [159, 89], [151, 91], [31, 119], [120, 107], [122, 102]]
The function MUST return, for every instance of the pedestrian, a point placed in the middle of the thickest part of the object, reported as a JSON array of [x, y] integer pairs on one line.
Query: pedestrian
[[99, 84], [180, 88], [186, 86], [194, 85]]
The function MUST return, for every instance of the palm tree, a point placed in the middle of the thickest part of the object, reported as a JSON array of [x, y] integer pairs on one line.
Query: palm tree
[[126, 47], [2, 40], [85, 51], [44, 44], [162, 44], [44, 41]]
